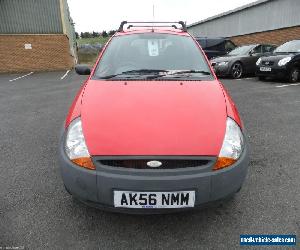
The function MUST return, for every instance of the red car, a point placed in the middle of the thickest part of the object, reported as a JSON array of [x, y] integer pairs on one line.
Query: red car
[[152, 129]]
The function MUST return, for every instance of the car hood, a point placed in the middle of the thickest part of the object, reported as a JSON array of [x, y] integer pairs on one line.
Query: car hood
[[153, 117], [225, 58], [277, 56]]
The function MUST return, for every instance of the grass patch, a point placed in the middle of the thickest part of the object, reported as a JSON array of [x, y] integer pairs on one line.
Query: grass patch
[[93, 40], [89, 56], [89, 59]]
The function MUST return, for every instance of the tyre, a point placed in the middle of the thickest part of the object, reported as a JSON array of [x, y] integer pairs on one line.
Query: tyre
[[261, 78], [239, 189], [236, 70], [294, 75], [67, 190]]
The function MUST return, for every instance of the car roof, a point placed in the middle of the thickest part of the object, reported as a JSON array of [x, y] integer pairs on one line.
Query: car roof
[[154, 30], [153, 26]]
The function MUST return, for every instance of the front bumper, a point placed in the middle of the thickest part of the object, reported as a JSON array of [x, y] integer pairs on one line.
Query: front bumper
[[276, 72], [221, 70], [95, 187]]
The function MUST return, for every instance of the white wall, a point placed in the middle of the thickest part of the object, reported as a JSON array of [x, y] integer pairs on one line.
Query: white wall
[[269, 15]]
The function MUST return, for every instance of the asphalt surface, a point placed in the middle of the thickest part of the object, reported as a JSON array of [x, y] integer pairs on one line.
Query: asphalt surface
[[37, 213]]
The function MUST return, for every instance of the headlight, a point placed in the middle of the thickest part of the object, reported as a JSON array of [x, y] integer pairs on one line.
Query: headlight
[[222, 63], [284, 61], [232, 147], [75, 146], [258, 61]]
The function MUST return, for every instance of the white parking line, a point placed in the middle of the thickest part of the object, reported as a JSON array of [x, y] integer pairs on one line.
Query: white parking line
[[241, 79], [20, 77], [65, 75], [287, 85]]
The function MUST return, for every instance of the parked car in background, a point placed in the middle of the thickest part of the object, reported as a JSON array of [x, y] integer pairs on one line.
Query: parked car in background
[[214, 47], [90, 48], [241, 60], [129, 146], [88, 53], [283, 63]]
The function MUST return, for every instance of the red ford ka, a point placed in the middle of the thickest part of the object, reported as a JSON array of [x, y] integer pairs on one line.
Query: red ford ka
[[152, 130]]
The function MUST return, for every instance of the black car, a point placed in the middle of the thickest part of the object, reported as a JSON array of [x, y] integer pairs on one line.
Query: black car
[[241, 60], [214, 47], [283, 63]]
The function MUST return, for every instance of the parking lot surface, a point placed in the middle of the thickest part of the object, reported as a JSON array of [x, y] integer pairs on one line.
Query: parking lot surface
[[37, 213]]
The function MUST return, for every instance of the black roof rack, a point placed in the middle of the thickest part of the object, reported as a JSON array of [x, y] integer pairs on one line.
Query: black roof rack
[[152, 25]]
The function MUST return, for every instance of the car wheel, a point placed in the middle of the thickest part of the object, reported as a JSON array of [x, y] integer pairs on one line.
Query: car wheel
[[239, 189], [67, 190], [261, 78], [237, 70], [294, 75]]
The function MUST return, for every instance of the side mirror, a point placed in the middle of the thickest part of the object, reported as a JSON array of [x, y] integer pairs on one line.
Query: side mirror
[[82, 69]]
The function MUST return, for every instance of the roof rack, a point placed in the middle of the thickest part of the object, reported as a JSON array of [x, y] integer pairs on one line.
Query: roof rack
[[152, 25]]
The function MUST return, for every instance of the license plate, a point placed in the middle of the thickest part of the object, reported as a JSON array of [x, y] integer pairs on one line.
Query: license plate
[[265, 69], [130, 199]]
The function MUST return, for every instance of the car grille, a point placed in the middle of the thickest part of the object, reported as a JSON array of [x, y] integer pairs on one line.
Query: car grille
[[165, 164], [267, 63]]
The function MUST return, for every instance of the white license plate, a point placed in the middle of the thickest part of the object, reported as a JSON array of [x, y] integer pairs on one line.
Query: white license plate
[[130, 199], [265, 69]]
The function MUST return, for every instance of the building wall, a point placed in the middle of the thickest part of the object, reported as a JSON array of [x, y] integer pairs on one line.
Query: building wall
[[257, 17], [30, 17], [46, 25], [68, 27], [277, 37], [49, 52]]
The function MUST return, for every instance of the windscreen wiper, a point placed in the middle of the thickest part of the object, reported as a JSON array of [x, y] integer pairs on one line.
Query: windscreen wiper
[[133, 73], [145, 71], [154, 73], [179, 73]]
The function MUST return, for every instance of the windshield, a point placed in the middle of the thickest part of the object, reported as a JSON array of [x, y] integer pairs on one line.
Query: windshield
[[242, 50], [149, 53], [289, 47]]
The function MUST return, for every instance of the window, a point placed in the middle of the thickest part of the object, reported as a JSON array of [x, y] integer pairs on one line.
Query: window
[[242, 50], [229, 46], [289, 47], [152, 51], [257, 50], [268, 48]]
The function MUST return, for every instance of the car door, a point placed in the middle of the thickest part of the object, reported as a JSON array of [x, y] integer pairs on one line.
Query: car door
[[254, 54], [267, 49]]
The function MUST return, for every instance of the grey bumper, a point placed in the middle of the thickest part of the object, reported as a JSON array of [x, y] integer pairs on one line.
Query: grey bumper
[[276, 72], [95, 187], [222, 70]]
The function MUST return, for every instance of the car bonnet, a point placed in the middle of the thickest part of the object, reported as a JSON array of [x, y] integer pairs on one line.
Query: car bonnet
[[153, 117]]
